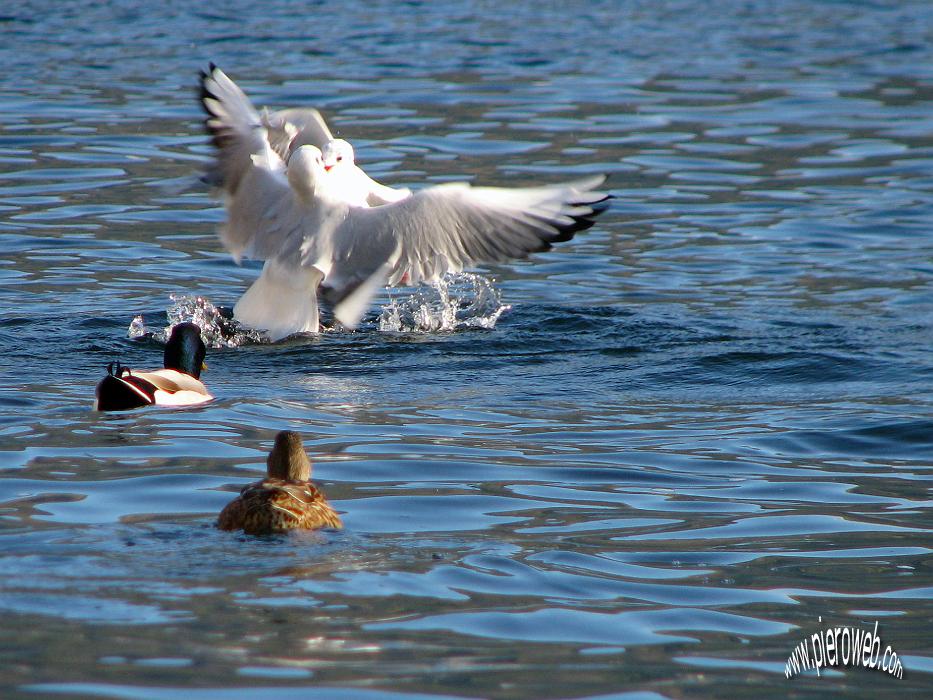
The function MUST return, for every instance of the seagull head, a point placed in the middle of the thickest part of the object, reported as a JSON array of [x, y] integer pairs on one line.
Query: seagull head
[[337, 152], [305, 170]]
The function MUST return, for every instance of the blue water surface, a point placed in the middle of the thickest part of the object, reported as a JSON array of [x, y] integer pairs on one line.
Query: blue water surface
[[646, 464]]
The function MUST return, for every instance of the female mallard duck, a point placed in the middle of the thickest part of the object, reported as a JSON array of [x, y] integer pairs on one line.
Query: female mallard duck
[[285, 500], [178, 384]]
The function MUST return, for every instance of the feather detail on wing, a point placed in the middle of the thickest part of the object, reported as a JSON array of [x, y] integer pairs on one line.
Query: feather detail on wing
[[310, 129], [172, 380], [231, 119], [448, 227], [263, 220]]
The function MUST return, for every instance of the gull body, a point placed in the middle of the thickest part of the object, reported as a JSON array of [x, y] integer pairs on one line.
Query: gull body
[[347, 181]]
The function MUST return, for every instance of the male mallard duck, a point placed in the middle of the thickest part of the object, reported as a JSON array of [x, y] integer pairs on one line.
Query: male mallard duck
[[285, 500], [178, 384]]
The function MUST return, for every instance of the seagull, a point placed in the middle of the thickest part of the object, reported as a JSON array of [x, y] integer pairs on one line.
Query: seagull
[[349, 181], [283, 209], [231, 115]]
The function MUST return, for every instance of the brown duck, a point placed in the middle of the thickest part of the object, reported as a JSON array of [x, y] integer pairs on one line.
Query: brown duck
[[285, 500]]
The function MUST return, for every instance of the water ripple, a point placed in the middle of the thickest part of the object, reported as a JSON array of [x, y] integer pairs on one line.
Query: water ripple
[[659, 456]]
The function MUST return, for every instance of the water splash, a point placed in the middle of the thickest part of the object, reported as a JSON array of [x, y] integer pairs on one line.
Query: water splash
[[461, 300], [218, 330]]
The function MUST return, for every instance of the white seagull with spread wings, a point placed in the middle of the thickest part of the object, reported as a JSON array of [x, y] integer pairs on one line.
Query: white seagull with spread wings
[[282, 207]]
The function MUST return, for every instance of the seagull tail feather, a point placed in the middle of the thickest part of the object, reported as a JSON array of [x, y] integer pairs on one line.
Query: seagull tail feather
[[281, 301]]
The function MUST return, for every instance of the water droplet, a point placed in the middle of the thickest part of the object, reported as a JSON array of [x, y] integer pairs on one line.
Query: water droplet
[[461, 300], [218, 328]]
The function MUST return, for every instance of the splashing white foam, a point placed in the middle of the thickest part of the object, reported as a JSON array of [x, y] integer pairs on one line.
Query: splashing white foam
[[461, 300], [217, 329]]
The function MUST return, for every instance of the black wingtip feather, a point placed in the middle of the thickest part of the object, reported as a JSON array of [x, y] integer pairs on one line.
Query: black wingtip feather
[[580, 222], [598, 205], [203, 94], [566, 233]]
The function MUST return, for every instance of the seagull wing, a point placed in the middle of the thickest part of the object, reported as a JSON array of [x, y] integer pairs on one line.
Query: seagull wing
[[231, 119], [379, 194], [265, 219], [448, 227], [311, 128]]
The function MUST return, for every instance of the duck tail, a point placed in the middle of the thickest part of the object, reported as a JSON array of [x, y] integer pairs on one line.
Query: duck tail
[[116, 393]]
